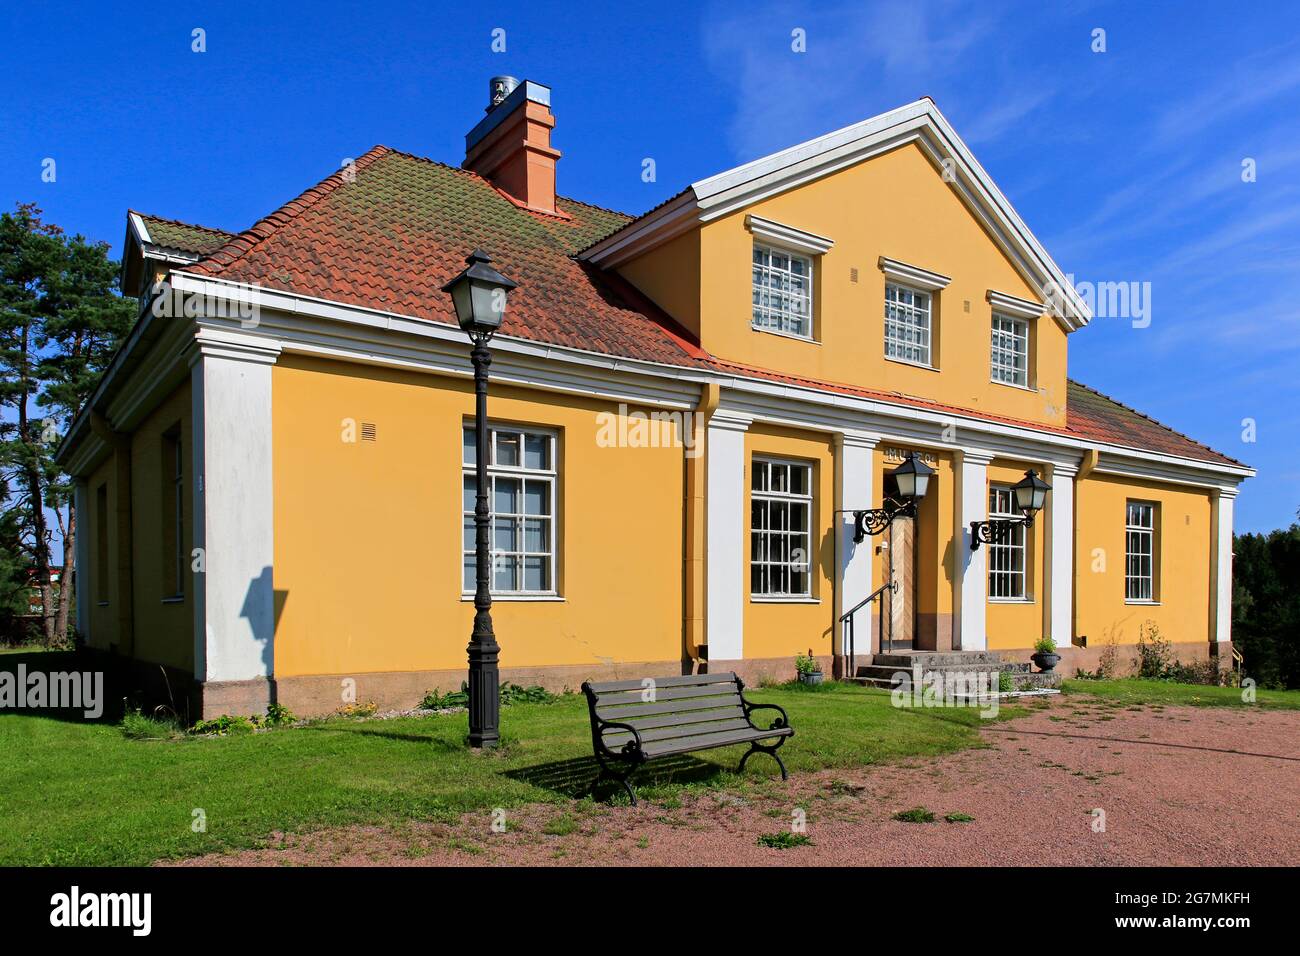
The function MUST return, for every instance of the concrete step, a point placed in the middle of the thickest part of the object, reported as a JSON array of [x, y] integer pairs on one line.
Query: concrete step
[[932, 660], [887, 673]]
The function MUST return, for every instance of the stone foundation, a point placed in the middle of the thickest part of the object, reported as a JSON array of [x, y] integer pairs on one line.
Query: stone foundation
[[1126, 656]]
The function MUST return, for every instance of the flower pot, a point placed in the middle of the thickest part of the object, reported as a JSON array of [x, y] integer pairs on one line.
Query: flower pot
[[1046, 662], [814, 678]]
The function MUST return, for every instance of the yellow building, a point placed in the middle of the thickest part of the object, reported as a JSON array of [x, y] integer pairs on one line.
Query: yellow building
[[690, 410]]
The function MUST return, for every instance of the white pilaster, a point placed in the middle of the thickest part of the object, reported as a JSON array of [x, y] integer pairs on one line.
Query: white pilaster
[[853, 492], [234, 597], [970, 577], [1221, 565], [1058, 554], [725, 545]]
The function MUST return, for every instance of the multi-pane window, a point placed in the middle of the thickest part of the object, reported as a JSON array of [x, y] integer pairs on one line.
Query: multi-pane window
[[1010, 355], [1139, 551], [782, 291], [780, 529], [521, 500], [907, 324], [1006, 555]]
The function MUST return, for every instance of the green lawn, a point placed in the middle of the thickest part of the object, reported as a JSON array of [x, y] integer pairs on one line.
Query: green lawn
[[77, 793], [1133, 691]]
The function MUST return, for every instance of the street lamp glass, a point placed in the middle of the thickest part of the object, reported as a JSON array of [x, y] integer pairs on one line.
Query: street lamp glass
[[1031, 493], [912, 478], [479, 295]]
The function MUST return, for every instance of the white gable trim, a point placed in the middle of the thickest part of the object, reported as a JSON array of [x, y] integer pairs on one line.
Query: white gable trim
[[914, 276], [1015, 306], [920, 123]]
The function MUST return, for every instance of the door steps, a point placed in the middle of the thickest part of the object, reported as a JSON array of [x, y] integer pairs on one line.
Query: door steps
[[880, 672]]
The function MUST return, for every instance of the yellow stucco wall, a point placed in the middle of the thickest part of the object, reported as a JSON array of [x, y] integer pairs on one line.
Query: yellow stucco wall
[[779, 628], [368, 534], [894, 205], [1182, 611], [164, 629]]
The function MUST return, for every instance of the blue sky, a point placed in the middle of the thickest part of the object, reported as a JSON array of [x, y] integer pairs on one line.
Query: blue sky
[[1126, 163]]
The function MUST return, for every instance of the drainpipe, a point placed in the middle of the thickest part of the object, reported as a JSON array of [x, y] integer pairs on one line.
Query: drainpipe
[[693, 633]]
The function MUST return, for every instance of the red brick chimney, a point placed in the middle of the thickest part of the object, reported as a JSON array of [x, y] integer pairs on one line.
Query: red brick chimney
[[511, 146]]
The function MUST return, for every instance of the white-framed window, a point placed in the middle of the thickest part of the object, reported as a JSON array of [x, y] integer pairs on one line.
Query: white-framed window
[[1007, 555], [521, 499], [780, 529], [783, 297], [907, 324], [1010, 351], [1139, 551]]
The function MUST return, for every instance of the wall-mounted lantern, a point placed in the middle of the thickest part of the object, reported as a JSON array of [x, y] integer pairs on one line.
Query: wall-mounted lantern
[[912, 479], [1030, 494]]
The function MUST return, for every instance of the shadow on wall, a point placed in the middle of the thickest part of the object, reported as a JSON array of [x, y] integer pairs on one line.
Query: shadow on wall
[[263, 607]]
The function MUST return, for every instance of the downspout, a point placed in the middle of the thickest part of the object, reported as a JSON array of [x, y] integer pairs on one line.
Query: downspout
[[694, 637], [125, 597]]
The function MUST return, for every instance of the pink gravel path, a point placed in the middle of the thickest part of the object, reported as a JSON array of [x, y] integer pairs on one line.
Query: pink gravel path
[[1178, 786]]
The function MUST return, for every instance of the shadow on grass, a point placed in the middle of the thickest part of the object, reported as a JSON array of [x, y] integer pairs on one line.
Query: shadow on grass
[[573, 778]]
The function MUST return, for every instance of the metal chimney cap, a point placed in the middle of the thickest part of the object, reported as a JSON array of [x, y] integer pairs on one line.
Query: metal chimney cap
[[499, 87]]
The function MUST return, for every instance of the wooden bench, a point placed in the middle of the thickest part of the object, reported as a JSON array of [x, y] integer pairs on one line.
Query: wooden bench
[[636, 721]]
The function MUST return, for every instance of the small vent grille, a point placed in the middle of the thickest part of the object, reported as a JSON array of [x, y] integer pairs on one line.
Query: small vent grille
[[367, 431], [853, 275]]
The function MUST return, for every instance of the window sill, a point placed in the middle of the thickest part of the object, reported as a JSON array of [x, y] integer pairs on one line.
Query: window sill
[[899, 361], [174, 599], [994, 600], [1022, 388], [517, 598], [778, 599], [1143, 603], [806, 339]]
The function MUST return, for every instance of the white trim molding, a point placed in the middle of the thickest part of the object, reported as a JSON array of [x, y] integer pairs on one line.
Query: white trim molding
[[1221, 565], [726, 545], [913, 276], [788, 236], [970, 578], [234, 605], [1058, 554], [853, 492], [1015, 306]]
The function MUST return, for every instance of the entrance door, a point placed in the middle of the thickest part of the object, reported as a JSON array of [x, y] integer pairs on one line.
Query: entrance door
[[900, 606]]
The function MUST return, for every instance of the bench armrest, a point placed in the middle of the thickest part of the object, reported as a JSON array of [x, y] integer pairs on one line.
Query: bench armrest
[[777, 724], [630, 749]]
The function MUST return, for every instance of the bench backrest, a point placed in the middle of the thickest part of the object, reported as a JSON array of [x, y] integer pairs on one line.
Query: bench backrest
[[666, 708]]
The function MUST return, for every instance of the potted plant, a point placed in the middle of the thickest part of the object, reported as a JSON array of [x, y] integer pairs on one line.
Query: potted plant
[[807, 668], [1045, 655]]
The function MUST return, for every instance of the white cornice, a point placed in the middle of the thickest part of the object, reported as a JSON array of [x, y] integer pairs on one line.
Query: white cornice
[[788, 236], [317, 327], [1014, 306], [913, 275]]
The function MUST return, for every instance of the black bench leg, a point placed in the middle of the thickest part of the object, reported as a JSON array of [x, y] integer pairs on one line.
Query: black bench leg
[[607, 773], [771, 751]]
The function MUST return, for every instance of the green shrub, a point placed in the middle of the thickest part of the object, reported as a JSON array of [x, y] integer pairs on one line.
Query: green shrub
[[1044, 645], [805, 664], [510, 694], [223, 726], [1006, 683], [959, 817], [1155, 653]]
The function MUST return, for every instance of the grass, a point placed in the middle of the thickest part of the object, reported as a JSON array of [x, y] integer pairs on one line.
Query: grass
[[77, 793], [1134, 691], [784, 840], [959, 817], [915, 815]]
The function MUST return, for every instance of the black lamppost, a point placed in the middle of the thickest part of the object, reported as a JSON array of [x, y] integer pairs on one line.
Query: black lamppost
[[479, 295], [912, 480], [1030, 494]]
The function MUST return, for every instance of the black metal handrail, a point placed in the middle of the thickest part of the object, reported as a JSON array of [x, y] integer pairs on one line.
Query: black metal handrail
[[847, 618]]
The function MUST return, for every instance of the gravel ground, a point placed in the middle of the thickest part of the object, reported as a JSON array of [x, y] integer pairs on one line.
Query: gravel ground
[[1177, 786]]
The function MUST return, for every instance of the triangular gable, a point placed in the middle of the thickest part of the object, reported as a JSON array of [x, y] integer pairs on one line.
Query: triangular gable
[[919, 122]]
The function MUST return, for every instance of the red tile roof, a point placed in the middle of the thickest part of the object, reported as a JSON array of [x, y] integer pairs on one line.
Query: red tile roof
[[184, 236], [393, 234]]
